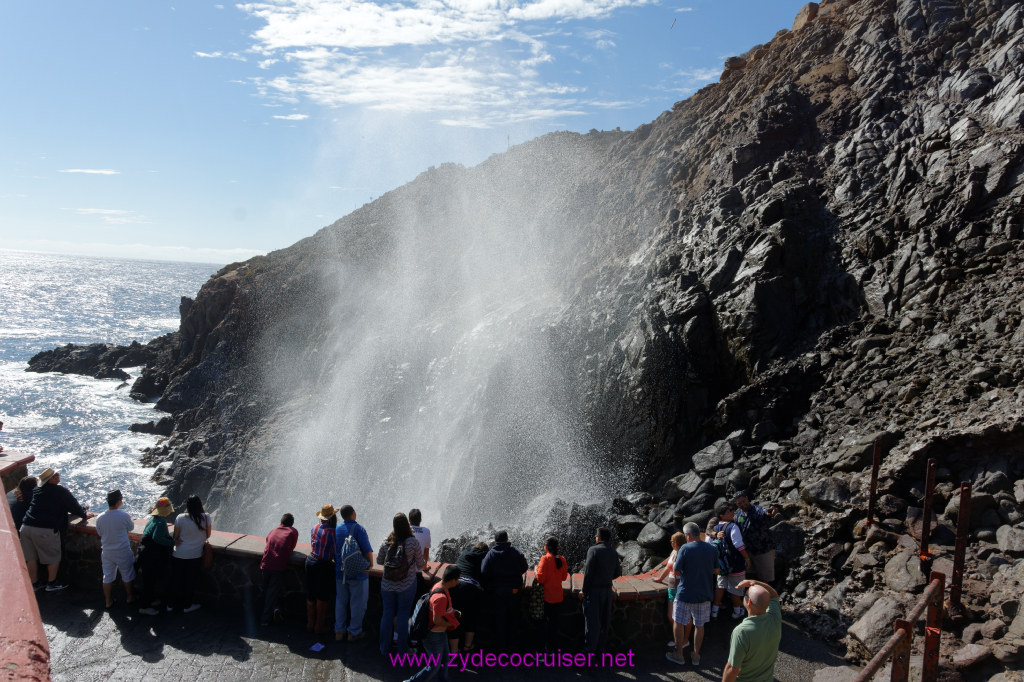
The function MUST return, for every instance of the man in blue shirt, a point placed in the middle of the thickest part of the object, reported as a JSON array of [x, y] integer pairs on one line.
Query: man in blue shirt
[[353, 591], [695, 567]]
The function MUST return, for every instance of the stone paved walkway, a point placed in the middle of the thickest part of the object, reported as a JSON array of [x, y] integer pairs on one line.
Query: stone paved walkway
[[88, 643]]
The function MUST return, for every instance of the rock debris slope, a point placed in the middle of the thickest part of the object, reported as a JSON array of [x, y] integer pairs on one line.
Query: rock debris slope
[[819, 250]]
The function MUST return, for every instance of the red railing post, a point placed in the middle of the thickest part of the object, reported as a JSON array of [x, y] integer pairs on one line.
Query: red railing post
[[876, 464], [901, 655], [963, 524], [933, 630], [926, 517]]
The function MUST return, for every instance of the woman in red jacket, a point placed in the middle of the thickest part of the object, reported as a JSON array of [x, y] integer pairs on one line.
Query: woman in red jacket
[[551, 571]]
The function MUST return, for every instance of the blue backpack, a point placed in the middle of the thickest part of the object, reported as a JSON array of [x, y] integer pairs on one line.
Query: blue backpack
[[727, 555], [351, 561]]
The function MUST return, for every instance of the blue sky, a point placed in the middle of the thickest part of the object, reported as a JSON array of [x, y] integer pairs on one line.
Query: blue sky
[[214, 131]]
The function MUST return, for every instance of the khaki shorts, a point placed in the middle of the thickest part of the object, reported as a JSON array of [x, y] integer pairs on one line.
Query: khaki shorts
[[729, 583], [763, 566], [40, 544]]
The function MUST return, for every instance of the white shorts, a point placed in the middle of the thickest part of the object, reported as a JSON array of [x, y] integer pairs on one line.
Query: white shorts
[[729, 583], [118, 560]]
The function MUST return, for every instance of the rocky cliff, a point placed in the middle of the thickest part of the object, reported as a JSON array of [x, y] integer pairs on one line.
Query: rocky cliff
[[819, 250]]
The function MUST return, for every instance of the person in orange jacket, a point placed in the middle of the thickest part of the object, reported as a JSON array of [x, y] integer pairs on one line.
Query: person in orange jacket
[[551, 571]]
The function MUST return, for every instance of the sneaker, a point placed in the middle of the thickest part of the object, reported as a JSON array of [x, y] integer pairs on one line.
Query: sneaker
[[671, 656], [738, 612], [55, 586], [148, 612], [38, 586], [190, 609], [714, 611], [694, 660], [340, 636], [671, 644], [169, 608], [356, 638]]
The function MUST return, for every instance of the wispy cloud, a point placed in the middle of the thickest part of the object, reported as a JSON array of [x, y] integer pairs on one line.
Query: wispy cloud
[[112, 216], [467, 62], [293, 117], [90, 171], [220, 55]]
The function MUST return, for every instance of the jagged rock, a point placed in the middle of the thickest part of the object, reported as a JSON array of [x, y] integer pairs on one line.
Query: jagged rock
[[713, 457], [654, 539], [1011, 540], [683, 485], [631, 557], [831, 493], [628, 527], [873, 628], [971, 655], [903, 572]]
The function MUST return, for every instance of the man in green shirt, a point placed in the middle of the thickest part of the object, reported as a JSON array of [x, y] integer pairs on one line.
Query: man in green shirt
[[755, 642]]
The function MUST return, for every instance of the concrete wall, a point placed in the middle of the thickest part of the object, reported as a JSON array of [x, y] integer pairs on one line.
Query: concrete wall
[[234, 583], [24, 651]]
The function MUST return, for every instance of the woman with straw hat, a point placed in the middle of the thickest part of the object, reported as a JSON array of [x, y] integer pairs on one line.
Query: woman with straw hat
[[320, 570], [154, 557]]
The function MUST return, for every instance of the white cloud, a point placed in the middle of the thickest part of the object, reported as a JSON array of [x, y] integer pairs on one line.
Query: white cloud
[[469, 62], [90, 171], [571, 9], [293, 117], [112, 216], [220, 55]]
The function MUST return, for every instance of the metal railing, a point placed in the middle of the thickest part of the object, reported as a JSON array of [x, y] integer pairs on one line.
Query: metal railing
[[898, 646]]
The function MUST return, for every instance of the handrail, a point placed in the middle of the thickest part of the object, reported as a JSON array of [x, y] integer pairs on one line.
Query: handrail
[[897, 647]]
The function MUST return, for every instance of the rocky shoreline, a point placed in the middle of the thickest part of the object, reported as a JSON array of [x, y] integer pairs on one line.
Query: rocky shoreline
[[821, 250]]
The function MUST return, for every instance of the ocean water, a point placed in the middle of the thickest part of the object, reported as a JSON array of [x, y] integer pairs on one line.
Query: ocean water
[[79, 425]]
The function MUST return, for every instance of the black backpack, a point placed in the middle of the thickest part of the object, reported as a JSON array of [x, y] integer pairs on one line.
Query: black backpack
[[420, 620], [396, 563]]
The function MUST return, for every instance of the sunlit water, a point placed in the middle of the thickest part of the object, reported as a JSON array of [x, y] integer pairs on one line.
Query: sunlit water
[[79, 425]]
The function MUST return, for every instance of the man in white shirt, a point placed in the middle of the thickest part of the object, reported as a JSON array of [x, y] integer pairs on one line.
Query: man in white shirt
[[421, 533], [116, 555]]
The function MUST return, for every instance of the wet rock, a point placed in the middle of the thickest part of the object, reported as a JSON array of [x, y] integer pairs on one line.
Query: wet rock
[[628, 527], [631, 557], [654, 539]]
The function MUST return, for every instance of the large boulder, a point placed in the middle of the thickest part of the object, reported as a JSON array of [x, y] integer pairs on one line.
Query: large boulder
[[873, 628], [682, 486], [715, 456], [831, 493], [1011, 540], [654, 539], [903, 571]]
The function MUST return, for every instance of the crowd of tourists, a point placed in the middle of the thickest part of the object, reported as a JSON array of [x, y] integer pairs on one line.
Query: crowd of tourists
[[483, 587]]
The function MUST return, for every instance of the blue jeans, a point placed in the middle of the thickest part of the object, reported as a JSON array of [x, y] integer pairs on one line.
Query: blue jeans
[[435, 643], [396, 604], [351, 601]]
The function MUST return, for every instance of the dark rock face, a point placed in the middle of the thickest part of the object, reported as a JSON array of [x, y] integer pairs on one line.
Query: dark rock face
[[821, 250]]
